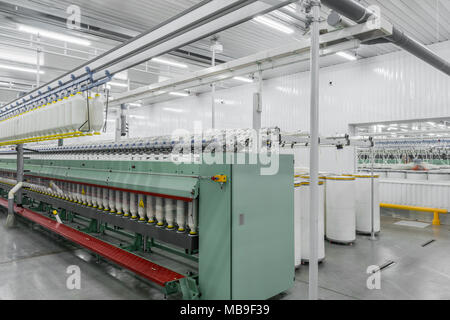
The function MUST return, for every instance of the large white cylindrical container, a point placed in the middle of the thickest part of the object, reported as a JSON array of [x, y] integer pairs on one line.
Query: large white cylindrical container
[[340, 209], [304, 222], [417, 175], [363, 191]]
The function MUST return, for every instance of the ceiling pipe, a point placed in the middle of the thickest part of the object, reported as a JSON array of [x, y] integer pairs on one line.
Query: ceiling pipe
[[360, 14]]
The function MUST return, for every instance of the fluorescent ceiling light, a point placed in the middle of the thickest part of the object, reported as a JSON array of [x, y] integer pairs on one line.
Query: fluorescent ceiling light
[[121, 75], [138, 117], [273, 24], [291, 7], [118, 84], [431, 123], [179, 94], [22, 56], [2, 66], [347, 56], [54, 35], [170, 63], [4, 84], [243, 79], [135, 105], [173, 110]]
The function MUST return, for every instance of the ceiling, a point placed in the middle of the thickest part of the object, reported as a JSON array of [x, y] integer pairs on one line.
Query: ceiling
[[106, 24], [426, 128]]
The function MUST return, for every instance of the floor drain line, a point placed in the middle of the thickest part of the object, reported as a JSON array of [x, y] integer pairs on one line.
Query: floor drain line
[[385, 265], [428, 243]]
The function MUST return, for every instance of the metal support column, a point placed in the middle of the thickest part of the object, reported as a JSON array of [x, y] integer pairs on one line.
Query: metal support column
[[38, 62], [257, 104], [19, 171], [314, 151], [213, 91], [372, 186]]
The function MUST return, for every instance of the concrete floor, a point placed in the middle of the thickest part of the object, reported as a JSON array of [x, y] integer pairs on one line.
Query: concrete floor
[[33, 266]]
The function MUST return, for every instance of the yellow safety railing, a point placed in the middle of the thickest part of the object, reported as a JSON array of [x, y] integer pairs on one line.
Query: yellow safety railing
[[435, 211], [50, 137]]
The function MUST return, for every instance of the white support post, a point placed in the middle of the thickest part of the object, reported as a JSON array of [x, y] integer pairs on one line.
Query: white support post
[[372, 186], [213, 91], [38, 62], [314, 152], [257, 104]]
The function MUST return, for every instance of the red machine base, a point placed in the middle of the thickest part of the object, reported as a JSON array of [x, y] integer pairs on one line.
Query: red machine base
[[144, 268]]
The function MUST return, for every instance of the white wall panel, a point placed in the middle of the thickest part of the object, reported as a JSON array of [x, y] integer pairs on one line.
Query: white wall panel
[[415, 193], [392, 87]]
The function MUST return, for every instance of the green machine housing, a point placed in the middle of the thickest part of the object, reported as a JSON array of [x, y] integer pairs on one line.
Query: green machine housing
[[245, 241]]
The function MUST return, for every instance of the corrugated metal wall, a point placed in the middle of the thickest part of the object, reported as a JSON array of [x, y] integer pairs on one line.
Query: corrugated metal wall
[[392, 87], [415, 193]]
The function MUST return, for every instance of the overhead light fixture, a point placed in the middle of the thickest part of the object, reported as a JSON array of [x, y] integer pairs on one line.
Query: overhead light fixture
[[121, 75], [433, 124], [22, 56], [291, 7], [179, 94], [273, 24], [347, 56], [170, 63], [135, 105], [54, 35], [13, 68], [173, 110], [243, 79], [118, 84], [4, 84]]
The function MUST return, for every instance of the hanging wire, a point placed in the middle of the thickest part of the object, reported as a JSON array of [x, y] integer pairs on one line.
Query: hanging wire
[[107, 108]]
